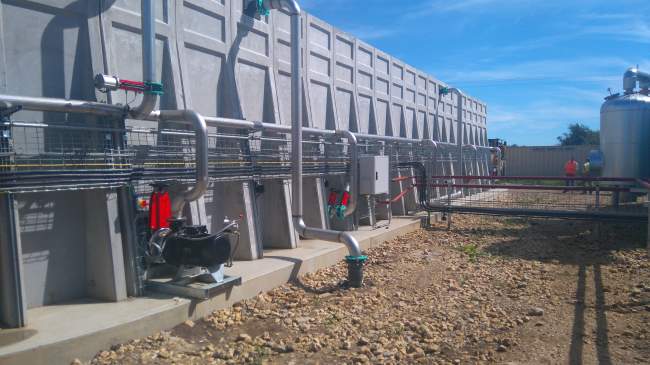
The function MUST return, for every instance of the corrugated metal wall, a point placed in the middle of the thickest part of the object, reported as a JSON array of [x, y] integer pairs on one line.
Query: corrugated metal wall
[[544, 160]]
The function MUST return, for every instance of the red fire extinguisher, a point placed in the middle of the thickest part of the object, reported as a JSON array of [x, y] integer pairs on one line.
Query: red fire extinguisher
[[160, 208]]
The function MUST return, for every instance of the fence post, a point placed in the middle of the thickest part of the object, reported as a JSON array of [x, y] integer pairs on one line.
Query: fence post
[[449, 205], [598, 223]]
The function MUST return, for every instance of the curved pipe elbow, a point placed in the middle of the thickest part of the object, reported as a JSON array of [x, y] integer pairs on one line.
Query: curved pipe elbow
[[291, 6], [145, 108], [197, 121], [433, 144], [354, 249], [457, 91]]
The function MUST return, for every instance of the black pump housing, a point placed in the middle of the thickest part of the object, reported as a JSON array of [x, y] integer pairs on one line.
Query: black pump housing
[[193, 246]]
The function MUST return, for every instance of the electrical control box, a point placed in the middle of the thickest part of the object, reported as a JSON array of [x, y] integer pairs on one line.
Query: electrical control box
[[374, 175]]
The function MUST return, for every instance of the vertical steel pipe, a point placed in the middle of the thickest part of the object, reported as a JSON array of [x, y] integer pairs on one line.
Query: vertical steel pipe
[[355, 259], [63, 105], [149, 99], [460, 130]]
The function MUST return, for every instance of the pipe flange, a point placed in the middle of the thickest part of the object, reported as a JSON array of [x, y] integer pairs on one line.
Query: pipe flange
[[356, 259]]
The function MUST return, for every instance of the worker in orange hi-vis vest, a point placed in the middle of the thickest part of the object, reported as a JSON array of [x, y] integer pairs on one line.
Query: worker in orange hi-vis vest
[[570, 170]]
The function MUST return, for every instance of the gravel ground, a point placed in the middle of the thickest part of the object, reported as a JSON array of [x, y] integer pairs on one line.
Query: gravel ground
[[491, 290]]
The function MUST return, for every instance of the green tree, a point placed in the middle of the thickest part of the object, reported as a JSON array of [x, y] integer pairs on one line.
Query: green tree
[[579, 134]]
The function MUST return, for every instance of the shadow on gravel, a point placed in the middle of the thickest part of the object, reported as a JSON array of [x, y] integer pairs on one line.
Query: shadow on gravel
[[295, 279], [575, 244], [565, 242]]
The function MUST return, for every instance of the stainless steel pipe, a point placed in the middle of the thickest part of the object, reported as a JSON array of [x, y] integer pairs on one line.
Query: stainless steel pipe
[[63, 105], [355, 259], [149, 99], [460, 130], [200, 127]]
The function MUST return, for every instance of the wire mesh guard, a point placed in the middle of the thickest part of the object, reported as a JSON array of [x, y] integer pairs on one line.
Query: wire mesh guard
[[47, 157], [36, 157]]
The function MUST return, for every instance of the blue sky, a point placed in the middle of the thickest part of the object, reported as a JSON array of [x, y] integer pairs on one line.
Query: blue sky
[[538, 64]]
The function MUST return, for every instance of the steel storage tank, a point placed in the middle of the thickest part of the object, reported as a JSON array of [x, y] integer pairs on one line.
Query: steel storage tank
[[625, 129]]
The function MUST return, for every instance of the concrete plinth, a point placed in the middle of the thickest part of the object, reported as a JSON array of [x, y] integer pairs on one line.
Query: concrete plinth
[[13, 305], [314, 203], [396, 187], [275, 215], [232, 200]]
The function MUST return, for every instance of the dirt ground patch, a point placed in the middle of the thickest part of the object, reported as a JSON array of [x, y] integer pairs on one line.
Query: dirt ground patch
[[491, 290]]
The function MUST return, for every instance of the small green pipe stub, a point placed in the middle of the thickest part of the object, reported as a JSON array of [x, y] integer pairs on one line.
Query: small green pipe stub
[[353, 259], [261, 9], [154, 88]]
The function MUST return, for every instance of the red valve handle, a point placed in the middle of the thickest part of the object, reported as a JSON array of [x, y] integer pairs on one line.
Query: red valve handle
[[345, 199], [332, 198], [130, 85]]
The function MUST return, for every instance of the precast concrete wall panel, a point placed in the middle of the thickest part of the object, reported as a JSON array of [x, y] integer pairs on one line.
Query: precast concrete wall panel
[[282, 65], [251, 57], [397, 99], [319, 60], [383, 94], [365, 86], [203, 40], [344, 82], [46, 51], [410, 103]]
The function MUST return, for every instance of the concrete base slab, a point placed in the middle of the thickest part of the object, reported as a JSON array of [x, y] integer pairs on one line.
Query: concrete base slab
[[60, 333]]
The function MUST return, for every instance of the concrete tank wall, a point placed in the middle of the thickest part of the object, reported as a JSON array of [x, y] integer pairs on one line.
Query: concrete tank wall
[[217, 57]]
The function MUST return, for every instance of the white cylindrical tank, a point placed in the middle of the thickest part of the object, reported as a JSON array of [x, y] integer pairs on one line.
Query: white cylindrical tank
[[625, 135]]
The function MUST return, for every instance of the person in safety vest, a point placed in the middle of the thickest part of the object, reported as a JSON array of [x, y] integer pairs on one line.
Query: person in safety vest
[[586, 172], [570, 171]]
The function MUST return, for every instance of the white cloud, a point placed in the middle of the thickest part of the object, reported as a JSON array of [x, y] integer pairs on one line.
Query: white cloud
[[471, 6], [539, 119], [367, 33], [635, 31], [596, 69]]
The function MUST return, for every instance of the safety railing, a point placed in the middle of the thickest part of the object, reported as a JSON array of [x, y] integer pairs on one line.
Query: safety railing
[[594, 198]]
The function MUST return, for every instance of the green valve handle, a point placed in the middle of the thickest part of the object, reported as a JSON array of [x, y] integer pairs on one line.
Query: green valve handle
[[154, 88], [261, 10], [340, 211]]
